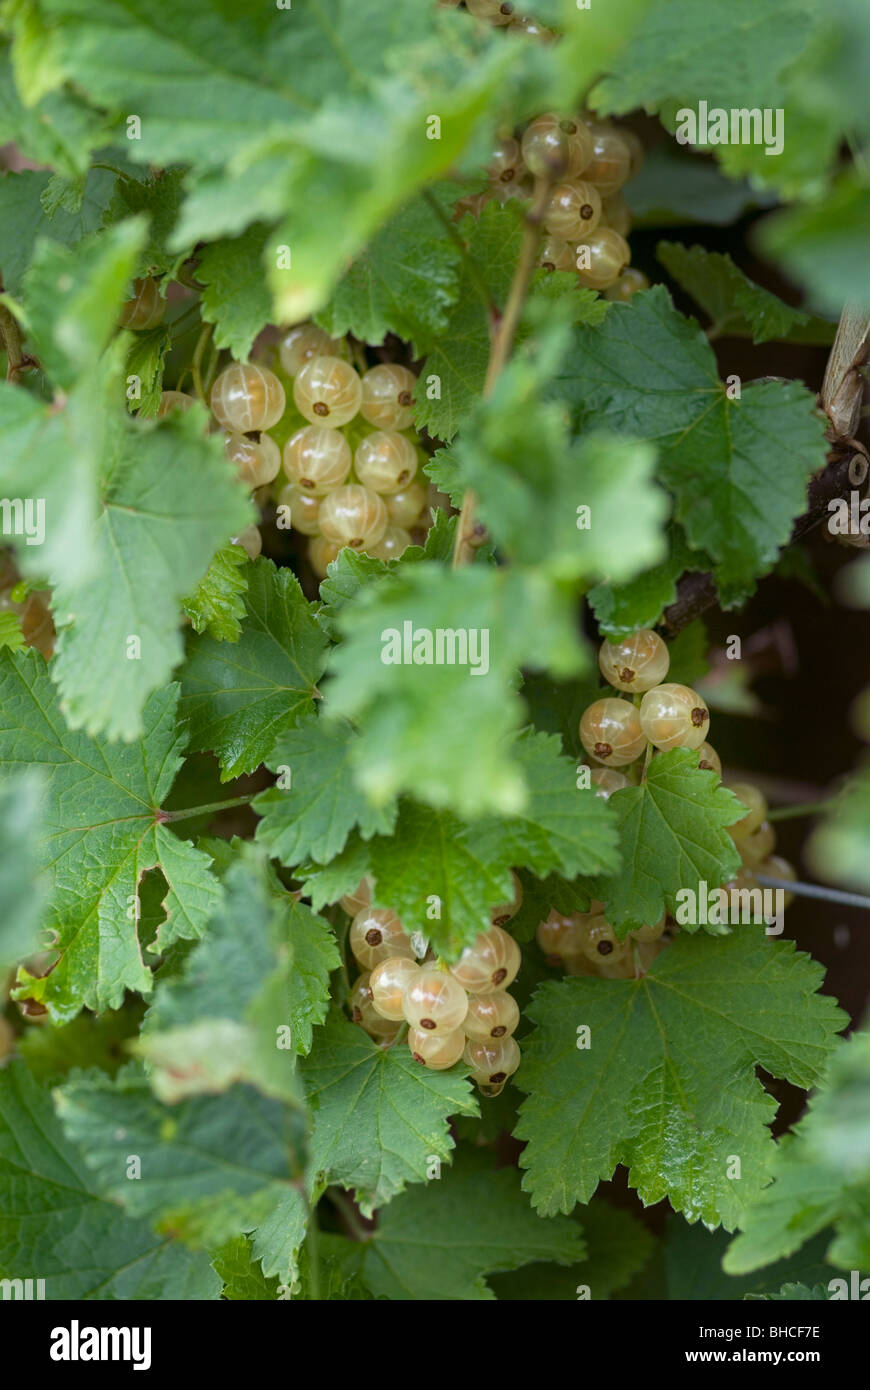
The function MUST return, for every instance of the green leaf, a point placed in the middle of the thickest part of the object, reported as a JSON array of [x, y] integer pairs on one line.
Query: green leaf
[[237, 699], [158, 528], [25, 221], [824, 244], [54, 1225], [405, 1260], [235, 299], [216, 605], [821, 1174], [242, 1278], [618, 1247], [89, 1041], [735, 305], [345, 577], [158, 198], [649, 371], [675, 1053], [315, 956], [145, 360], [59, 129], [99, 833], [222, 1020], [622, 608], [440, 730], [672, 837], [11, 635], [379, 1117], [688, 653], [22, 886], [212, 1167], [674, 188], [694, 1266], [314, 811], [457, 360], [406, 279]]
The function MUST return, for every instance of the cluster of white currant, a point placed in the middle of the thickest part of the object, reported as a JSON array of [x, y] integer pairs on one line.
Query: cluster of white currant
[[584, 943], [458, 1012], [354, 486], [755, 840], [31, 606]]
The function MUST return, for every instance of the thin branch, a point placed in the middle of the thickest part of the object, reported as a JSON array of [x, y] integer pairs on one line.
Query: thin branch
[[196, 361], [814, 890], [210, 809], [468, 534], [347, 1211], [17, 360], [808, 808]]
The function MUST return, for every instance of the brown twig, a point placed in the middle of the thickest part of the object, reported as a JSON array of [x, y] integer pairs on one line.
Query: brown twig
[[17, 360]]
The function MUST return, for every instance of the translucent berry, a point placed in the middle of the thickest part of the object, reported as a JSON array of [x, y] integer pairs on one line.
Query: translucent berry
[[385, 461], [628, 284], [247, 397], [555, 254], [376, 934], [392, 545], [390, 978], [573, 211], [492, 1061], [321, 553], [650, 933], [257, 461], [673, 716], [317, 459], [756, 809], [303, 342], [388, 396], [777, 867], [490, 964], [505, 911], [635, 663], [360, 897], [363, 1011], [545, 147], [328, 391], [601, 258], [491, 1015], [353, 516], [497, 12], [174, 400], [145, 309], [434, 1001], [437, 1051], [610, 161], [758, 846], [635, 149], [304, 509], [610, 730], [406, 506], [709, 760], [608, 780], [616, 213], [603, 943], [250, 540], [506, 162], [562, 934]]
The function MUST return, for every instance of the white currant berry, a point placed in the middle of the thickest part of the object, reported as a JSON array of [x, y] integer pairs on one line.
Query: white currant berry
[[388, 396], [321, 554], [576, 964], [708, 759], [146, 309], [505, 164], [491, 1015], [434, 1002], [328, 391], [554, 145], [497, 12], [555, 254], [437, 1051], [602, 943], [304, 509], [490, 964], [360, 897], [758, 846], [616, 213], [531, 28], [607, 253], [777, 867], [392, 545], [257, 461], [493, 1060], [390, 978], [385, 461], [610, 730], [562, 934], [303, 342], [505, 911], [405, 507], [250, 540], [637, 662], [610, 161], [353, 516], [317, 459], [573, 211], [376, 934], [247, 397], [756, 809], [628, 284], [635, 149], [363, 1011], [174, 400], [674, 716], [608, 781], [650, 933]]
